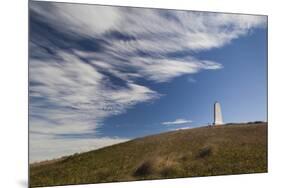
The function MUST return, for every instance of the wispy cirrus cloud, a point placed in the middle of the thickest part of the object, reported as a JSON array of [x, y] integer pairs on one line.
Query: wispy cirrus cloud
[[86, 62], [74, 97], [179, 121]]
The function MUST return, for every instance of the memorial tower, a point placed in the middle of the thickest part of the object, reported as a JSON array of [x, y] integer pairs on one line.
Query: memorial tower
[[217, 114]]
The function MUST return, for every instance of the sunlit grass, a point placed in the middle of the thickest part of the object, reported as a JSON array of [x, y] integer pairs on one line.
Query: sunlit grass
[[229, 149]]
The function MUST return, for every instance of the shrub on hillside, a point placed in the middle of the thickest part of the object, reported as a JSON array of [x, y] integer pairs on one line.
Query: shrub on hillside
[[204, 152], [145, 169]]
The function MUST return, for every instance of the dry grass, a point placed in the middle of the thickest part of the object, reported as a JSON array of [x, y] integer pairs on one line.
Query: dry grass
[[230, 149]]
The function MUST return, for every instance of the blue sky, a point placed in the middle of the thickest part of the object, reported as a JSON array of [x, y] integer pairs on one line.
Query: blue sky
[[100, 75]]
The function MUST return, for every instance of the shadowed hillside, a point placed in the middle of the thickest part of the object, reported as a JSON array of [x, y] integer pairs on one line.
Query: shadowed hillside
[[229, 149]]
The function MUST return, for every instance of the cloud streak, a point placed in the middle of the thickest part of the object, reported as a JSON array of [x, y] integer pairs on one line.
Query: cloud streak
[[179, 121], [87, 62]]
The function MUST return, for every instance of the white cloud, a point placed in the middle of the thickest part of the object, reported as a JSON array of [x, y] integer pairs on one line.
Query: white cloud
[[179, 121], [74, 97], [162, 70], [78, 18], [181, 30]]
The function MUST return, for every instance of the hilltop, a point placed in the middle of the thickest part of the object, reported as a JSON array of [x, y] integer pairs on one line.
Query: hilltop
[[205, 151]]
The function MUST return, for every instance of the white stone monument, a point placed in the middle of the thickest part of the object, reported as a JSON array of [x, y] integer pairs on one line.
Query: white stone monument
[[217, 114]]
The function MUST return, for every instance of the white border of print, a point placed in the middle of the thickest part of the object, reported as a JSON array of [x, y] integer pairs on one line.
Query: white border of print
[[14, 103]]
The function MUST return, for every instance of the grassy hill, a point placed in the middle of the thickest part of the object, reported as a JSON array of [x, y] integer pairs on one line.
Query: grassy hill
[[229, 149]]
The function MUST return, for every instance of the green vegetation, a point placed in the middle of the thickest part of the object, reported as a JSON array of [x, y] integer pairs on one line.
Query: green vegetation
[[206, 151]]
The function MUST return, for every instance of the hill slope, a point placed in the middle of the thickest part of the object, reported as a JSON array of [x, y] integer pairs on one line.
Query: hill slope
[[229, 149]]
